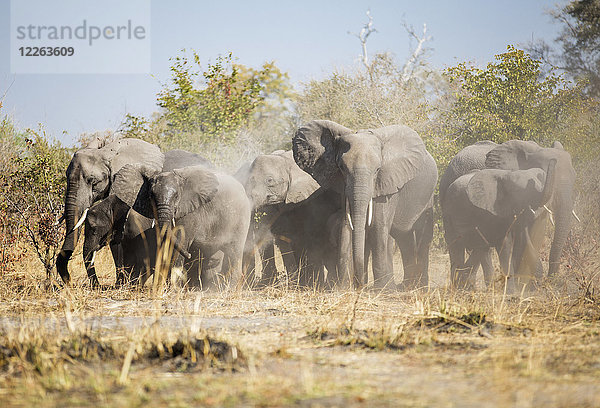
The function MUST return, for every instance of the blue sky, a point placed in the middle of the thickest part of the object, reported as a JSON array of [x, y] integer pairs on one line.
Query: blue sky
[[308, 39]]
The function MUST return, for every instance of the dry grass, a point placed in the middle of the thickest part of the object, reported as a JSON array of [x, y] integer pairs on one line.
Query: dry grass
[[279, 347]]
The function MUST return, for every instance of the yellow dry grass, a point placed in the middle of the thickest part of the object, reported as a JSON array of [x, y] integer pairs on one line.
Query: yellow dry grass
[[281, 347]]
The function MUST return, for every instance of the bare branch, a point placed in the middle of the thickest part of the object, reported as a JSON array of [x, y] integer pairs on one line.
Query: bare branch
[[362, 36], [411, 63]]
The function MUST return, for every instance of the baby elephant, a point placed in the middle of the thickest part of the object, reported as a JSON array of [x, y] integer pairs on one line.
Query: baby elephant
[[502, 209], [214, 213]]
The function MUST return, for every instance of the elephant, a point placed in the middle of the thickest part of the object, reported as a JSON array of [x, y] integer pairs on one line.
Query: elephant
[[386, 180], [523, 155], [214, 212], [294, 212], [496, 208], [466, 161], [112, 220], [89, 177]]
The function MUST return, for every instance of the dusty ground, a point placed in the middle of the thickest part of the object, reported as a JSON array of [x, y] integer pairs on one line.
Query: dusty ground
[[279, 347]]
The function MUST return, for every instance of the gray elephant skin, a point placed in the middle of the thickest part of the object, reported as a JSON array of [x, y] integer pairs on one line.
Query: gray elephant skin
[[496, 208], [113, 220], [523, 155], [386, 179], [89, 178], [214, 212], [293, 212]]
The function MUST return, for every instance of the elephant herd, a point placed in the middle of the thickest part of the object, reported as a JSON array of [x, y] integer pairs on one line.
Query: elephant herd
[[339, 199]]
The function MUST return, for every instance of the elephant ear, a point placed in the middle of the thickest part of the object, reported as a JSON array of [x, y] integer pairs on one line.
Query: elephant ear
[[131, 186], [301, 184], [510, 155], [403, 154], [132, 151], [484, 191], [198, 186], [314, 152]]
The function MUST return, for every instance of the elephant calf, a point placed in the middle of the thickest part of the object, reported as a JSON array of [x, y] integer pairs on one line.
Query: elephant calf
[[500, 209]]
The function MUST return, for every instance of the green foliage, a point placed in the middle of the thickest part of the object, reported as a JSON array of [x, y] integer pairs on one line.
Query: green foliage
[[509, 99], [32, 186], [228, 112], [222, 105], [580, 42]]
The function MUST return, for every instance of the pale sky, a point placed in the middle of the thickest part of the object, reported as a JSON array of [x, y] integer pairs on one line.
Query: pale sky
[[308, 39]]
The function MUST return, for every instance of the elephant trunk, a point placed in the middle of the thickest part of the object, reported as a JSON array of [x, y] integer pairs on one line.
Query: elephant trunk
[[77, 200], [165, 224], [361, 194], [563, 208]]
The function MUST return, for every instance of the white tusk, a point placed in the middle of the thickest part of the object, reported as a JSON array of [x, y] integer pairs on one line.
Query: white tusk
[[93, 258], [547, 209], [576, 217], [173, 221], [370, 213], [348, 215], [552, 219], [350, 220], [152, 223], [81, 220]]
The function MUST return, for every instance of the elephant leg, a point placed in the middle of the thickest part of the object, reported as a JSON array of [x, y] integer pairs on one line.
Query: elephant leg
[[457, 262], [344, 263], [192, 268], [290, 263], [506, 256], [487, 267], [232, 266], [269, 269], [424, 236], [212, 267], [117, 252]]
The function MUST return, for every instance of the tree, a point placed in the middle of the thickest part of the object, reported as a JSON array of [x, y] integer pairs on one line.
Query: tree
[[578, 52], [32, 185], [510, 99]]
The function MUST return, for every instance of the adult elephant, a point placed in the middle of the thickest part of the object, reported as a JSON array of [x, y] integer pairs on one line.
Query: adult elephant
[[386, 179], [111, 220], [496, 208], [294, 212], [89, 178], [523, 155]]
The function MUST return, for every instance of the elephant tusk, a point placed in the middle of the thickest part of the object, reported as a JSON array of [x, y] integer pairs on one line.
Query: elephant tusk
[[576, 217], [370, 213], [550, 213], [93, 258], [173, 221], [81, 220], [348, 215], [152, 224], [350, 221]]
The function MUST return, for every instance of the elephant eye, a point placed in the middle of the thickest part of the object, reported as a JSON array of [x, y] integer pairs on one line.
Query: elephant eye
[[270, 181]]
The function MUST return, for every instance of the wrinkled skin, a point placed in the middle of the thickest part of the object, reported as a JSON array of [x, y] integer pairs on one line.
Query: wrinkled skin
[[108, 221], [384, 172], [522, 155], [496, 208], [214, 213], [293, 212], [89, 178]]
